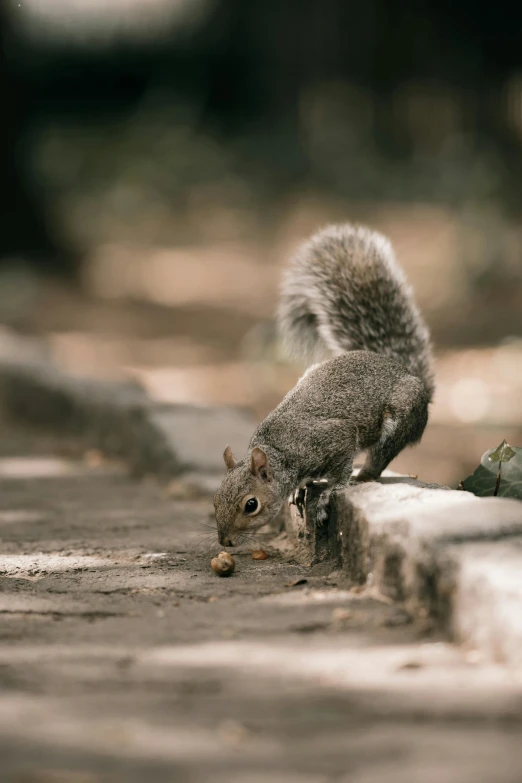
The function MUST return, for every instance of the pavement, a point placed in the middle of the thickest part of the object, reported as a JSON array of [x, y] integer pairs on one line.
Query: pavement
[[123, 657]]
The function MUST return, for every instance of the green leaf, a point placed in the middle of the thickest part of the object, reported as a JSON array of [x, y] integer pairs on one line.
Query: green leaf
[[502, 453], [507, 460]]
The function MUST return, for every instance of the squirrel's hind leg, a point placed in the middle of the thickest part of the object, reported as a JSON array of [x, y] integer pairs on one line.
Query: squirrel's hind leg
[[399, 429]]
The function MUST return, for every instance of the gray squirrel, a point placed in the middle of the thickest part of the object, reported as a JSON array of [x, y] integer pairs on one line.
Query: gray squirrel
[[347, 307]]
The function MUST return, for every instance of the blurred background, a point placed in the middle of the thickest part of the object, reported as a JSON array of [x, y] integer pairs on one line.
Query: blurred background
[[164, 157]]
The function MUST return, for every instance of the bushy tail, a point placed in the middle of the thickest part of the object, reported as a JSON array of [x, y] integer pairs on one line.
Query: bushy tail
[[344, 291]]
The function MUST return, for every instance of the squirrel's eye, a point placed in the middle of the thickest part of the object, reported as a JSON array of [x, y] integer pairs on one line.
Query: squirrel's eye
[[251, 506]]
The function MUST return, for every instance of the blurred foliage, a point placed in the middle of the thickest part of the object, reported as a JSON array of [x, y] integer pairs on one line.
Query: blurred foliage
[[134, 108]]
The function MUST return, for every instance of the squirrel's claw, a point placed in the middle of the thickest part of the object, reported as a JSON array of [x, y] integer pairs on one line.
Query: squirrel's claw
[[298, 499]]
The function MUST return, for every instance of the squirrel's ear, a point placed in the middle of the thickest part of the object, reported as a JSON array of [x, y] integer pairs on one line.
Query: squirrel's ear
[[259, 464], [230, 460]]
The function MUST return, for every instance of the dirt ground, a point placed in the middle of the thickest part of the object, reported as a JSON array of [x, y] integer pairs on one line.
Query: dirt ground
[[124, 658]]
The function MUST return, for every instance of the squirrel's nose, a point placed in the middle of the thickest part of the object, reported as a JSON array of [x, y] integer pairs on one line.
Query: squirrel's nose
[[226, 541]]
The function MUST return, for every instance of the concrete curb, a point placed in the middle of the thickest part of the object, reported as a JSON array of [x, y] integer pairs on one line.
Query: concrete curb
[[120, 420], [445, 555]]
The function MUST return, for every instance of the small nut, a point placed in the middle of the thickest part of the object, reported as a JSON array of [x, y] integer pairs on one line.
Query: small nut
[[223, 565], [258, 554]]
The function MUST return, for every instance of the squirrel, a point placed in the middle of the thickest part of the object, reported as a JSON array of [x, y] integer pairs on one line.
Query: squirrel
[[347, 308]]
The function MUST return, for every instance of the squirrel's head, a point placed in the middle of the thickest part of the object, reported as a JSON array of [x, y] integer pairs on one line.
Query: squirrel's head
[[248, 497]]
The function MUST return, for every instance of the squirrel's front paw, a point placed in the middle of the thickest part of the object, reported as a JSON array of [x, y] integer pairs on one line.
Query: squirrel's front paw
[[298, 498]]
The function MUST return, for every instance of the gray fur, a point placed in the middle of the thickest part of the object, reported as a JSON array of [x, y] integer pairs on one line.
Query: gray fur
[[343, 294], [344, 291]]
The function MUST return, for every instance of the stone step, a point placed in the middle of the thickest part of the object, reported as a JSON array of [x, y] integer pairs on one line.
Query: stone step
[[444, 554]]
